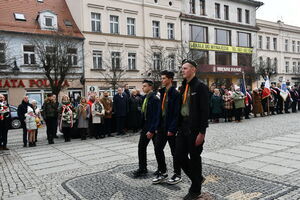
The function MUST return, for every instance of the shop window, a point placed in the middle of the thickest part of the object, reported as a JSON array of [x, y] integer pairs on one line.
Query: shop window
[[200, 57], [29, 55], [244, 39], [223, 37], [198, 34], [223, 58], [244, 59]]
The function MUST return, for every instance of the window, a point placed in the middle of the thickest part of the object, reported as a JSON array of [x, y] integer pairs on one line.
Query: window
[[96, 22], [50, 54], [29, 56], [226, 12], [298, 46], [171, 31], [200, 57], [19, 17], [171, 62], [223, 58], [130, 26], [156, 61], [261, 61], [192, 7], [247, 16], [294, 67], [275, 64], [49, 21], [223, 37], [268, 62], [268, 43], [72, 56], [217, 11], [2, 53], [299, 67], [131, 61], [286, 45], [239, 15], [115, 60], [294, 46], [244, 59], [114, 24], [287, 63], [244, 39], [260, 42], [97, 59], [155, 29], [198, 34], [275, 44], [202, 7]]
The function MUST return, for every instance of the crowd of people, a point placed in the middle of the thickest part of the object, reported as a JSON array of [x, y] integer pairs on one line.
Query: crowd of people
[[231, 104]]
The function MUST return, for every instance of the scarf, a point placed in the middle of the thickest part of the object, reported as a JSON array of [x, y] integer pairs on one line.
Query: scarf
[[98, 107], [3, 109], [82, 110], [66, 115]]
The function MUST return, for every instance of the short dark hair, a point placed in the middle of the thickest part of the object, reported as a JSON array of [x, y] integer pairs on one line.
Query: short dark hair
[[49, 95], [149, 82], [192, 62], [168, 74]]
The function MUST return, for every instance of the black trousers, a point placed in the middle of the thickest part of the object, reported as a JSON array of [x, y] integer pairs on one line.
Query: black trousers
[[98, 129], [51, 128], [264, 103], [3, 132], [83, 132], [298, 105], [247, 111], [142, 149], [279, 106], [120, 125], [238, 114], [286, 106], [67, 131], [161, 140], [23, 125], [227, 114], [107, 126], [189, 156], [294, 106]]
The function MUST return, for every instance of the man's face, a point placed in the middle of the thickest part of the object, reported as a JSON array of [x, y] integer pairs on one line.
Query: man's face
[[146, 88], [126, 87], [165, 80], [26, 99], [120, 91], [105, 94], [2, 98], [188, 70]]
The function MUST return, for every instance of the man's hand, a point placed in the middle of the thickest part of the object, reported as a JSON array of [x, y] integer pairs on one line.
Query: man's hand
[[150, 135], [200, 139], [170, 134]]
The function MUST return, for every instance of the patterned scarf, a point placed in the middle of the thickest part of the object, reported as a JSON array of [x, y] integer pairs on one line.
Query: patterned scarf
[[66, 115]]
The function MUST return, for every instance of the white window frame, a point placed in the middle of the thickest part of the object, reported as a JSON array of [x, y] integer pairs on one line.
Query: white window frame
[[287, 66], [286, 45], [247, 16], [156, 61], [73, 57], [131, 61], [52, 21], [97, 59], [260, 41], [171, 62], [29, 55], [115, 56], [114, 24], [130, 26], [294, 46], [294, 66], [171, 31], [298, 46], [275, 44], [96, 22], [268, 43], [156, 29]]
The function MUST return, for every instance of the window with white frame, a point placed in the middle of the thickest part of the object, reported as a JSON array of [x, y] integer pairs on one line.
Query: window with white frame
[[275, 44], [226, 12], [298, 66], [268, 43], [156, 61], [2, 53], [131, 61], [260, 42], [202, 7], [192, 7], [239, 15], [115, 60], [130, 26], [287, 63], [97, 59], [247, 16], [269, 62], [298, 46], [96, 22], [72, 56], [294, 46], [217, 11], [50, 54], [171, 31], [29, 55], [156, 29], [294, 67], [49, 22], [261, 61], [114, 24], [171, 62], [275, 64], [286, 45]]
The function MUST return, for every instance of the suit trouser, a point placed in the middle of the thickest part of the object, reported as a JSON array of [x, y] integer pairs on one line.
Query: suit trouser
[[238, 114], [120, 125], [67, 133], [51, 128], [160, 142], [142, 149], [3, 132], [107, 126], [23, 124], [279, 106], [189, 156]]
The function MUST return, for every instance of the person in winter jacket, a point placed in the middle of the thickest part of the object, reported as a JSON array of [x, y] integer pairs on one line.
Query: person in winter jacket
[[22, 110], [31, 126], [5, 118], [98, 112], [66, 117]]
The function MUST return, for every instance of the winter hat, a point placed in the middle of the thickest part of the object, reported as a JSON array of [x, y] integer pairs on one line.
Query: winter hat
[[29, 109]]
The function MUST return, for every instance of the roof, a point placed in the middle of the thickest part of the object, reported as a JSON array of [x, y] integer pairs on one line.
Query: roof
[[31, 10], [250, 2]]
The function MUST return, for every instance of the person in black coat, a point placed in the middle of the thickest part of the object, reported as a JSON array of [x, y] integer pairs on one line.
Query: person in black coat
[[150, 122], [22, 110], [5, 119], [134, 115], [294, 97], [279, 99], [193, 121], [169, 98], [120, 108]]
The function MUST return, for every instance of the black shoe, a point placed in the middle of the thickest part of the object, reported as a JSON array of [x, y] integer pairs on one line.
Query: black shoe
[[156, 173], [5, 148], [34, 144], [30, 144], [97, 137], [25, 145], [55, 136], [140, 172], [110, 135], [50, 142], [174, 179], [161, 177], [191, 196]]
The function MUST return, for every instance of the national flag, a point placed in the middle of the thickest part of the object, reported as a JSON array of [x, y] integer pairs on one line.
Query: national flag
[[284, 91], [266, 92]]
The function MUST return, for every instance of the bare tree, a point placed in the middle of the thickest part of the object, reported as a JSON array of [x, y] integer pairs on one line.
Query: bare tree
[[8, 62], [57, 54], [265, 68]]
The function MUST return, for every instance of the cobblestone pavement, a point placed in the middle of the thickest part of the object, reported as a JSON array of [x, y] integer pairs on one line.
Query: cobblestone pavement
[[255, 159]]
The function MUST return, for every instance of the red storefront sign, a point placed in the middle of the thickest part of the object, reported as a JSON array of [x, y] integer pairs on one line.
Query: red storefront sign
[[39, 83], [225, 69]]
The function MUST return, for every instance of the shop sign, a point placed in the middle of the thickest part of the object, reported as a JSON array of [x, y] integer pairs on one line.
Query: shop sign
[[39, 83], [227, 69], [217, 47]]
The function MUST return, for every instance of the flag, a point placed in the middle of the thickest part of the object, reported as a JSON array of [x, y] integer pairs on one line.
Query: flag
[[266, 92], [283, 91]]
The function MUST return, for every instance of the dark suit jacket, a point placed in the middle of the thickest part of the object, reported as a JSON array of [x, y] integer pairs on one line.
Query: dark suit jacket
[[151, 120]]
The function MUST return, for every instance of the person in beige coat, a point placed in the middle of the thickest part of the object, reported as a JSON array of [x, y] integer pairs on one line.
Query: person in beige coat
[[98, 113]]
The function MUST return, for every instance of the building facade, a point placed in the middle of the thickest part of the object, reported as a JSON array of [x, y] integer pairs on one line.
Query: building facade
[[127, 41], [23, 27], [278, 48], [221, 37]]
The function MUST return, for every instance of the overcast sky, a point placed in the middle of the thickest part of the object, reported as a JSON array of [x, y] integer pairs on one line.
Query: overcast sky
[[287, 11]]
